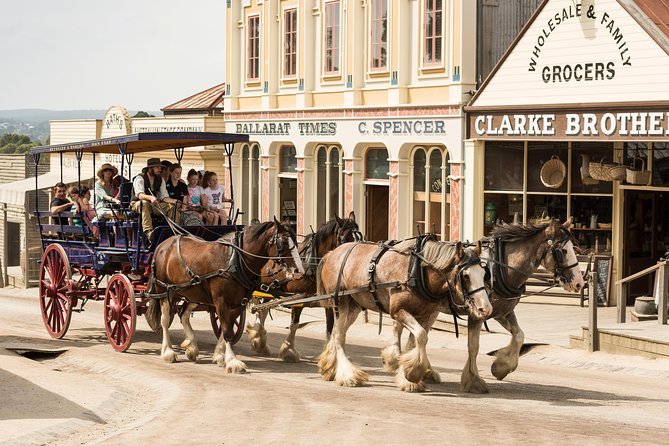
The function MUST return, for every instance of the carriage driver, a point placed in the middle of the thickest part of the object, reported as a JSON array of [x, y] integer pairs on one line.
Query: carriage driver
[[150, 188]]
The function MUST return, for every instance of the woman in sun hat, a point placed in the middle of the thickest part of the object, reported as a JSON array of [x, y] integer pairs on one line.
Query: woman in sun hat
[[104, 191]]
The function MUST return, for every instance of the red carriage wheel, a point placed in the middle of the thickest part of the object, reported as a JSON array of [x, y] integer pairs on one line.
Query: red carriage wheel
[[120, 312], [54, 281], [237, 330]]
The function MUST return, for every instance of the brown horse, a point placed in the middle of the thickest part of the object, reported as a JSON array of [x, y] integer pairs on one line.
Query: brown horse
[[515, 252], [445, 271], [221, 274], [312, 249]]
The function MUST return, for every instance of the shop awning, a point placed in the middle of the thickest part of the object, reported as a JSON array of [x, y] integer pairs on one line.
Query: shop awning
[[15, 193]]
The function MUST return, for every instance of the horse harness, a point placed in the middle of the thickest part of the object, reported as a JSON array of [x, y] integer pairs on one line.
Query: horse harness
[[500, 283], [235, 268]]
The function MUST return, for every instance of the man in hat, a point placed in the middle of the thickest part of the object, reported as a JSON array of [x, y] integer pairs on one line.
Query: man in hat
[[150, 193]]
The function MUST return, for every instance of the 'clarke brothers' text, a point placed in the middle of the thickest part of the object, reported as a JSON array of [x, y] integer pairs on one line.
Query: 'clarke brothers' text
[[574, 124]]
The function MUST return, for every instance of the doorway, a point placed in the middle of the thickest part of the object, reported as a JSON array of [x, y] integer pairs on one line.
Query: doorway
[[288, 200], [376, 216], [646, 237], [13, 240]]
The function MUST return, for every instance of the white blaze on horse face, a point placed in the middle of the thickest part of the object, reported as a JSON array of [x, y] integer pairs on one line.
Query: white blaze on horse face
[[481, 302], [296, 256], [577, 281]]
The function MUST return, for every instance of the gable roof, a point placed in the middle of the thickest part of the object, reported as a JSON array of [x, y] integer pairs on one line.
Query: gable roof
[[652, 16], [211, 98]]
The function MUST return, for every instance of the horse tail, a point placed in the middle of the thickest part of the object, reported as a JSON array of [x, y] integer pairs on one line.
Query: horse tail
[[153, 312]]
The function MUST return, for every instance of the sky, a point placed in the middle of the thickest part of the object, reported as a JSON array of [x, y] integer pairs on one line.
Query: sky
[[92, 54]]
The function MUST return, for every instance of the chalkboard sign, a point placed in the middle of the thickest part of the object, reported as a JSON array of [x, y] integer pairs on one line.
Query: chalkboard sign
[[603, 266]]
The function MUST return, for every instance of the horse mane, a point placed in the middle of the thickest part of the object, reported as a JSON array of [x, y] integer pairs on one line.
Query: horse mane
[[254, 231], [441, 255], [511, 232]]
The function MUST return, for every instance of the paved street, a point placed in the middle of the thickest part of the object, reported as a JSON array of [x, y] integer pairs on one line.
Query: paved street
[[90, 394]]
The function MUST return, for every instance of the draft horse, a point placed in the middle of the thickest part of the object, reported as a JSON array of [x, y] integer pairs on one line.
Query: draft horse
[[314, 246], [218, 273], [514, 252], [427, 272]]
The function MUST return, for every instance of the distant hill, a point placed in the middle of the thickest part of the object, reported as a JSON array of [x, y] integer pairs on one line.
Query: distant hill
[[34, 122]]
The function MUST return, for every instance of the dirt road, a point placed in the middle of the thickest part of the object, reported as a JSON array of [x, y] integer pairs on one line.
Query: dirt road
[[92, 395]]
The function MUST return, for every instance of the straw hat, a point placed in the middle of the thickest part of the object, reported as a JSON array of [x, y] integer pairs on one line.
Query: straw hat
[[106, 166]]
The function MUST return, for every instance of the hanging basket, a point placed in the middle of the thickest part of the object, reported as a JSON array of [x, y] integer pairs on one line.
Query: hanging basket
[[553, 172], [607, 172], [586, 179], [636, 175]]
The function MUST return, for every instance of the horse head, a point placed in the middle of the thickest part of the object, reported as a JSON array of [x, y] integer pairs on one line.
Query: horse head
[[559, 256], [347, 230], [284, 244], [469, 274]]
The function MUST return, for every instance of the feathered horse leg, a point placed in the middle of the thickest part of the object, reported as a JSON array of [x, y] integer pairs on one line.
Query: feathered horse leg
[[470, 381], [507, 357]]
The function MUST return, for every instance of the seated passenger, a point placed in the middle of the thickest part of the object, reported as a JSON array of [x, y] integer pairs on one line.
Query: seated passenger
[[105, 193], [195, 192], [178, 190], [83, 210], [213, 199], [149, 188], [59, 204]]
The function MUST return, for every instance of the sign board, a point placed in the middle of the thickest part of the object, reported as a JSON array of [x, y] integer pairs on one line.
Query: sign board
[[116, 122], [603, 267], [580, 52]]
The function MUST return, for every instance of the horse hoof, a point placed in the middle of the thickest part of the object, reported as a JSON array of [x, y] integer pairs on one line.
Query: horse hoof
[[235, 366], [432, 376], [219, 360], [192, 353], [170, 356], [357, 379], [410, 387], [474, 385], [500, 370], [288, 353]]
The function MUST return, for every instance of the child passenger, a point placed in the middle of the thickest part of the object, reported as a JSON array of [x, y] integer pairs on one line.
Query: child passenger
[[213, 199]]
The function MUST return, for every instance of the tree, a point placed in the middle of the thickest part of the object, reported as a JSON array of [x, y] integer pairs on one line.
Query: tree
[[143, 114]]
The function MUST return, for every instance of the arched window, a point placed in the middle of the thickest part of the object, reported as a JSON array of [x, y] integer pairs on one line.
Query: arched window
[[329, 183], [431, 193], [376, 164], [287, 182]]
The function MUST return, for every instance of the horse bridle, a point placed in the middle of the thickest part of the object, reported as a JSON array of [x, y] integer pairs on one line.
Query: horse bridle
[[555, 248], [342, 235], [280, 243], [467, 262]]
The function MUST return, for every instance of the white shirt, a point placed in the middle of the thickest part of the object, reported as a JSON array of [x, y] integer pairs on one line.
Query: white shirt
[[214, 197], [194, 194], [138, 187]]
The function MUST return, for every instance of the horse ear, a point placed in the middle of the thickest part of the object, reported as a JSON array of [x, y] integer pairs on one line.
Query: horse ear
[[477, 250], [340, 222], [351, 216], [459, 250], [567, 224], [277, 224]]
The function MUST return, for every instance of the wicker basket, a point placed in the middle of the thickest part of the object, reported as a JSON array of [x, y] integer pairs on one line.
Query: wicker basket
[[636, 175], [607, 172], [586, 179], [553, 172]]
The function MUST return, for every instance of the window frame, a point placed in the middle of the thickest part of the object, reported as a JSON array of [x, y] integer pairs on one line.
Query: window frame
[[290, 53], [335, 16], [252, 55], [444, 195], [424, 41], [326, 200], [376, 24]]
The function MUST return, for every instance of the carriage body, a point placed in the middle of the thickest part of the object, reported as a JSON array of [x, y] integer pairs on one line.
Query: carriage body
[[115, 266]]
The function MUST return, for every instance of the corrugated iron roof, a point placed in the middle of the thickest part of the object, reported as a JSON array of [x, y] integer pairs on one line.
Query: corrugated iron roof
[[657, 11], [208, 99]]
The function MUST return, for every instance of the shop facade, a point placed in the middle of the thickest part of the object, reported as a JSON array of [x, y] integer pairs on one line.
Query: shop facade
[[583, 83], [351, 107]]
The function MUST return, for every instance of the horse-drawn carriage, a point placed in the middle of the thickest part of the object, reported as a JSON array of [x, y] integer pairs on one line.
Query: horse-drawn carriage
[[115, 265]]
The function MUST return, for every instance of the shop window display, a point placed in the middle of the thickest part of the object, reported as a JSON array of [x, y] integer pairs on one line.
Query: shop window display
[[431, 193], [537, 154]]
